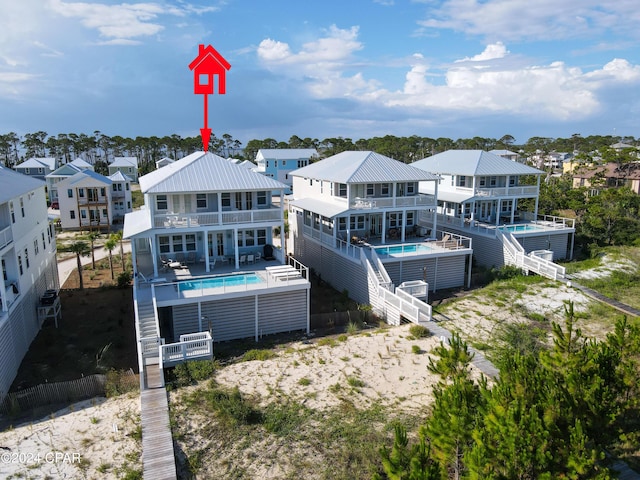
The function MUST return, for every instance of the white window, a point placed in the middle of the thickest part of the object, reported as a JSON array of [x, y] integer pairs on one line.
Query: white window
[[462, 180], [409, 219], [370, 190], [190, 242], [493, 181], [226, 200], [411, 188], [72, 214], [356, 222], [69, 193], [262, 236], [13, 213], [22, 206], [161, 202], [81, 192], [395, 220], [36, 247], [483, 181], [262, 198], [342, 190], [163, 243], [201, 200], [26, 170], [176, 240], [26, 257], [83, 213], [20, 264]]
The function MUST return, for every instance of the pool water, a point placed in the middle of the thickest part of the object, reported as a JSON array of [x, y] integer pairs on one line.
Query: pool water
[[220, 282], [400, 249], [528, 227]]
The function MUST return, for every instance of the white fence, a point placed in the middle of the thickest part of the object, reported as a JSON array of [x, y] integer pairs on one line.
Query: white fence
[[529, 263], [193, 346]]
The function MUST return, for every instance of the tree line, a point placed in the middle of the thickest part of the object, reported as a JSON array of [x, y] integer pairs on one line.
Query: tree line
[[99, 147]]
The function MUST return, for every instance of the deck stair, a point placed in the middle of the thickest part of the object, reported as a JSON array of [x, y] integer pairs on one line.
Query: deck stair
[[514, 254]]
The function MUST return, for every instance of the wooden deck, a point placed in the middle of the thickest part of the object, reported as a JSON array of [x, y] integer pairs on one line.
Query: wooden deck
[[158, 461]]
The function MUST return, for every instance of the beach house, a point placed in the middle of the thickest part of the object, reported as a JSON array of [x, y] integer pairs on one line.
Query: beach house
[[85, 201], [126, 165], [29, 269], [354, 219], [278, 163], [205, 259], [494, 201], [37, 168]]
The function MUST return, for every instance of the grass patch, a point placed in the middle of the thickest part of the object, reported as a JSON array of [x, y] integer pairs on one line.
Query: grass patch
[[416, 349], [258, 354], [419, 331]]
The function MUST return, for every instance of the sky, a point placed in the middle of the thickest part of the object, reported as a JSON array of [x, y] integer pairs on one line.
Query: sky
[[320, 69]]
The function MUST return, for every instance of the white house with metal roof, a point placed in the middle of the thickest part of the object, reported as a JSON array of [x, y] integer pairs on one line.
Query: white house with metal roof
[[121, 199], [354, 219], [127, 165], [37, 168], [203, 252], [85, 201], [29, 269], [495, 200], [278, 163], [60, 174]]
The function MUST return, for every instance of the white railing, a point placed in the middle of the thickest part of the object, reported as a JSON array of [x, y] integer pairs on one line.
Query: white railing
[[194, 346], [421, 200], [411, 308], [550, 220], [380, 266], [529, 263], [424, 309], [150, 346], [6, 236], [503, 191], [182, 220]]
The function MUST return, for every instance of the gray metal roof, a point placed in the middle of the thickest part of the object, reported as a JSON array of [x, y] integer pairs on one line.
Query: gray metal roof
[[14, 184], [286, 153], [119, 177], [362, 167], [124, 162], [136, 222], [38, 162], [326, 209], [473, 163], [82, 176], [205, 172]]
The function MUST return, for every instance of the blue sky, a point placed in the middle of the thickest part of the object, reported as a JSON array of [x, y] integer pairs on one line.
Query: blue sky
[[354, 68]]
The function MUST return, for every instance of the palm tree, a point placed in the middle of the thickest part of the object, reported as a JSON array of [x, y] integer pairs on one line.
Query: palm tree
[[93, 236], [80, 248], [117, 236], [109, 245]]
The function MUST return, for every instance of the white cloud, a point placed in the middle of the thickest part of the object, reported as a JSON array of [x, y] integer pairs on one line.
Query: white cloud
[[121, 23], [493, 51], [542, 19], [320, 64]]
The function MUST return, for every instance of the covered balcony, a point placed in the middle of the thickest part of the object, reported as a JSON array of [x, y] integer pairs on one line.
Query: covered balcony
[[187, 220]]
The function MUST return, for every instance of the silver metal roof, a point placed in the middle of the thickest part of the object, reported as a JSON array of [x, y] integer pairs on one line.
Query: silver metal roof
[[14, 184], [124, 162], [119, 177], [473, 163], [38, 162], [205, 172], [82, 176], [363, 167], [326, 209], [136, 222]]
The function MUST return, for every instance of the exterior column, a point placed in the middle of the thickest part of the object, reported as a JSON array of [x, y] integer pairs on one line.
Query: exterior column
[[535, 211], [205, 242], [154, 255], [235, 247], [384, 227], [3, 289], [133, 256], [435, 212], [498, 211]]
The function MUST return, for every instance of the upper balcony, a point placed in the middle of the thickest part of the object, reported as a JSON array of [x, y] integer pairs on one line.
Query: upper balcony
[[372, 203], [515, 191], [234, 217], [6, 236]]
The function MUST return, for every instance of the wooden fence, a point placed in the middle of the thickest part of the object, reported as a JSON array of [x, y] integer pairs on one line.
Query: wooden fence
[[16, 403]]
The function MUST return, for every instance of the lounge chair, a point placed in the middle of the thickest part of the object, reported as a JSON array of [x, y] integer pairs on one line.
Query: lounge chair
[[180, 257], [243, 259], [250, 259], [212, 264], [191, 258], [258, 256]]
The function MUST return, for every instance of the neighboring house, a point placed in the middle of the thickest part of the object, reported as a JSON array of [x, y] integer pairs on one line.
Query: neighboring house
[[618, 147], [484, 196], [215, 218], [28, 257], [85, 201], [37, 167], [278, 163], [508, 154], [163, 162], [126, 165], [60, 173], [556, 160], [121, 200], [610, 175], [354, 219]]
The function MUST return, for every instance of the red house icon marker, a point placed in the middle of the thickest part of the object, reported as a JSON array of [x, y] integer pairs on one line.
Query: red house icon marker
[[208, 64]]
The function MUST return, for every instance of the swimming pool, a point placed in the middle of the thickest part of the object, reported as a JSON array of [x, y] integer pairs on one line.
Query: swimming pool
[[414, 248], [220, 282], [526, 227]]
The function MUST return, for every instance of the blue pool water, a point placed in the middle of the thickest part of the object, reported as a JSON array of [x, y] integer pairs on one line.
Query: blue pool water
[[400, 249], [219, 282], [528, 227]]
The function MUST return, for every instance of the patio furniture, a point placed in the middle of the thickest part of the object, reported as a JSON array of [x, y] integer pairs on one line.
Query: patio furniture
[[212, 264], [243, 259], [250, 259], [268, 252], [191, 258], [180, 257], [258, 256]]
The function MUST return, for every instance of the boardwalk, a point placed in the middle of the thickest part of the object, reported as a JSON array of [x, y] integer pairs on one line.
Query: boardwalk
[[158, 460], [622, 307]]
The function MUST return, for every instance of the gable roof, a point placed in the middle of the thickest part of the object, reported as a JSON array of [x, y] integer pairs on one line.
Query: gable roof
[[362, 167], [119, 177], [81, 164], [286, 153], [14, 184], [627, 171], [82, 176], [473, 163], [36, 162], [124, 162], [208, 51], [205, 172], [65, 171]]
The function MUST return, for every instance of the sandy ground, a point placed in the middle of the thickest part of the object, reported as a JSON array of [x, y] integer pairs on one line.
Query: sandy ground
[[91, 439], [371, 367]]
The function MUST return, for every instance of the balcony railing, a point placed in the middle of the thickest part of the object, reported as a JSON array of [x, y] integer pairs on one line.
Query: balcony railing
[[93, 201], [6, 236], [369, 203], [515, 191], [217, 218]]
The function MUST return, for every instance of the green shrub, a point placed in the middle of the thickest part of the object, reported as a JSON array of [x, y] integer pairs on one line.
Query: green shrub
[[419, 331], [416, 349], [258, 354], [124, 279]]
